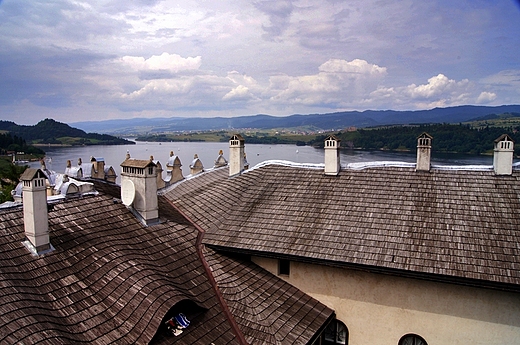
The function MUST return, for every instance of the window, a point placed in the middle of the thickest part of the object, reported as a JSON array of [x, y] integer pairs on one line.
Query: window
[[412, 339], [284, 267], [335, 333]]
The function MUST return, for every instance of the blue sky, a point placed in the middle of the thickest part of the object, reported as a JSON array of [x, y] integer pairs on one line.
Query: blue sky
[[97, 60]]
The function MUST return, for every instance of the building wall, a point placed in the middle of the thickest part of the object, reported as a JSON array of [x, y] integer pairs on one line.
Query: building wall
[[380, 309]]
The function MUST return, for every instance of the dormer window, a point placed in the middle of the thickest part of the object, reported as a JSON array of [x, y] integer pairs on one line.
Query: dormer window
[[284, 267]]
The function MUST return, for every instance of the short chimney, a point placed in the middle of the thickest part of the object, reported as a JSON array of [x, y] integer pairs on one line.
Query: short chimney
[[503, 155], [196, 165], [220, 161], [35, 214], [139, 188], [236, 154], [98, 168], [332, 161], [424, 149], [160, 181], [173, 169]]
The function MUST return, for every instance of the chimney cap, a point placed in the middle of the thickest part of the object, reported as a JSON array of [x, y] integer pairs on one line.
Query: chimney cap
[[238, 137], [424, 135], [137, 163], [332, 137], [32, 173], [504, 137]]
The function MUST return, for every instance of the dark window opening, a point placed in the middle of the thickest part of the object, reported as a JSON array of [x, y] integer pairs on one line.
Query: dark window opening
[[284, 267], [335, 333], [412, 339]]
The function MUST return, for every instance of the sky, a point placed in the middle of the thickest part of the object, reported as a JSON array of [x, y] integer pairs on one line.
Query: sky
[[73, 60]]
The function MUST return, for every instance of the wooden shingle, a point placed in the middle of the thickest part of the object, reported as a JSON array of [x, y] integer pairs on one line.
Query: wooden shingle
[[452, 225]]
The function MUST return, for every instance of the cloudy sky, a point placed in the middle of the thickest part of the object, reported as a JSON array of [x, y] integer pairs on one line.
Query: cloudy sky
[[75, 60]]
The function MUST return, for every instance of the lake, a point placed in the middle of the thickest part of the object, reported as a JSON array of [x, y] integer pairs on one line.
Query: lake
[[256, 153]]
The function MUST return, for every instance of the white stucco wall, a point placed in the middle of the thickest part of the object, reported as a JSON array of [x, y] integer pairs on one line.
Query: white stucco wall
[[380, 309]]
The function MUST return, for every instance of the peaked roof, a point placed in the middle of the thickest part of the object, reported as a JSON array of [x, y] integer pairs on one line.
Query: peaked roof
[[137, 163], [503, 137], [110, 279], [451, 225], [31, 173]]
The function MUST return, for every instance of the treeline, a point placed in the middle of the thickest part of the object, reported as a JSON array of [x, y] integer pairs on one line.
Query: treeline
[[49, 131], [446, 138], [15, 143]]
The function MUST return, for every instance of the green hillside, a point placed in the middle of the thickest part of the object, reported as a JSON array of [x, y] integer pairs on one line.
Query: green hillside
[[49, 131]]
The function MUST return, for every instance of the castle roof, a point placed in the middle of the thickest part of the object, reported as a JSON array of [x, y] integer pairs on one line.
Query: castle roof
[[448, 224], [111, 279]]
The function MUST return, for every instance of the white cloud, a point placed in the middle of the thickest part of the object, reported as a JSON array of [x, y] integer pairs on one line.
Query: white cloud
[[486, 97], [440, 91], [338, 82], [438, 86], [165, 61]]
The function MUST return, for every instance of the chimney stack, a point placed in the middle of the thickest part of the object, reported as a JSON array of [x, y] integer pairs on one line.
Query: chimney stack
[[236, 154], [139, 188], [424, 149], [196, 166], [220, 161], [332, 161], [35, 214], [503, 155], [173, 169]]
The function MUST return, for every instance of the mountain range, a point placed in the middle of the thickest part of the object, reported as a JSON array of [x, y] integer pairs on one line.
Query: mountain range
[[328, 121]]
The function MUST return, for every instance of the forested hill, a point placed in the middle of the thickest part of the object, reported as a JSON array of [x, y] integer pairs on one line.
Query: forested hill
[[49, 131], [446, 138], [331, 121]]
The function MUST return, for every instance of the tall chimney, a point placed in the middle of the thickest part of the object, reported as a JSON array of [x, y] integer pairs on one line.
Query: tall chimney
[[236, 154], [139, 188], [503, 155], [424, 148], [332, 162], [35, 214]]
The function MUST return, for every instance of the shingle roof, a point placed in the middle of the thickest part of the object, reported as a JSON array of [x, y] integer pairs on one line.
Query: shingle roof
[[444, 224], [267, 309], [137, 163], [109, 279]]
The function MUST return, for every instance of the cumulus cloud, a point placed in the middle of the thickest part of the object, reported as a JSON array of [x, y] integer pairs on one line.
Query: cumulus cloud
[[165, 61], [338, 82], [486, 97], [440, 91], [438, 86]]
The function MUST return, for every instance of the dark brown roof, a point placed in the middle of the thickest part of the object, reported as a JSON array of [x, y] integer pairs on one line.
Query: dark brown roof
[[137, 163], [110, 279], [31, 173], [453, 225], [267, 309]]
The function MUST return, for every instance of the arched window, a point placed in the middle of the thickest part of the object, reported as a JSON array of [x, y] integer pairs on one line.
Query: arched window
[[412, 339], [335, 333]]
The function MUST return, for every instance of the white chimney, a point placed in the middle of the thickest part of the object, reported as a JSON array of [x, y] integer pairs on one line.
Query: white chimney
[[503, 155], [139, 188], [173, 169], [236, 154], [220, 161], [196, 165], [35, 214], [332, 162], [424, 149]]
